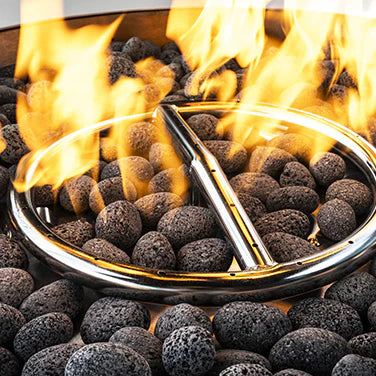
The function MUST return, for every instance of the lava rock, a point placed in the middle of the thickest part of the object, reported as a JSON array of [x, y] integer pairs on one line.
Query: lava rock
[[289, 221], [11, 254], [174, 98], [336, 219], [9, 364], [4, 120], [60, 296], [135, 48], [15, 286], [296, 174], [246, 370], [50, 361], [327, 167], [140, 137], [188, 351], [42, 332], [10, 111], [144, 343], [103, 250], [371, 315], [40, 96], [355, 193], [179, 316], [171, 180], [8, 95], [120, 224], [254, 184], [312, 350], [299, 198], [206, 126], [111, 190], [250, 326], [364, 345], [205, 255], [285, 247], [108, 150], [357, 290], [75, 232], [15, 147], [106, 359], [338, 93], [152, 49], [326, 314], [13, 83], [186, 224], [254, 208], [118, 313], [168, 56], [153, 250], [355, 365], [292, 372], [120, 66], [163, 156], [154, 206], [44, 195], [11, 321]]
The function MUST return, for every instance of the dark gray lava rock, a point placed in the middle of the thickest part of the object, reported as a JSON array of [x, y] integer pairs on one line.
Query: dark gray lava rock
[[15, 286], [292, 372], [327, 167], [103, 250], [205, 255], [172, 180], [186, 224], [336, 219], [74, 196], [296, 174], [10, 111], [42, 332], [179, 316], [111, 190], [152, 49], [289, 221], [355, 193], [144, 343], [250, 326], [60, 296], [11, 321], [135, 48], [119, 223], [106, 359], [188, 351], [254, 184], [206, 126], [299, 198], [245, 370], [154, 206], [357, 290], [4, 180], [120, 66], [285, 247], [118, 313], [44, 195], [140, 137], [355, 365], [9, 364], [8, 95], [75, 232], [15, 147], [50, 361], [163, 156], [371, 315], [167, 56], [153, 250], [326, 314], [11, 254], [312, 350], [4, 120], [364, 345], [254, 208]]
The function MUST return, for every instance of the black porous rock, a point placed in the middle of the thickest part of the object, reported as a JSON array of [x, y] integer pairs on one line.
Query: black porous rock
[[357, 290], [299, 198], [74, 195], [327, 167], [120, 66], [255, 184], [119, 223], [292, 372], [106, 359], [8, 95], [250, 326], [153, 250], [111, 190], [44, 195], [371, 315], [11, 254], [230, 155], [188, 351], [4, 120], [171, 180], [336, 219], [186, 224], [13, 83], [116, 46], [171, 46], [355, 193], [205, 255], [206, 126], [9, 364], [168, 56], [144, 343], [312, 350], [296, 174], [42, 332], [163, 156], [345, 79], [254, 208], [50, 361], [140, 137], [246, 370], [103, 250], [179, 316], [174, 98], [118, 313], [59, 296], [9, 110], [286, 247], [364, 345], [8, 70], [289, 221], [326, 314], [15, 147], [269, 160], [355, 365], [75, 232], [15, 286], [11, 321], [338, 93], [154, 206], [96, 170], [152, 49], [135, 48]]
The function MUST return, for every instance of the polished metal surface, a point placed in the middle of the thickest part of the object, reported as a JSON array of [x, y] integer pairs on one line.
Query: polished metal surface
[[264, 283]]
